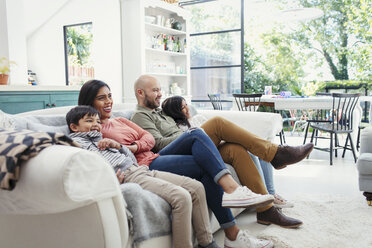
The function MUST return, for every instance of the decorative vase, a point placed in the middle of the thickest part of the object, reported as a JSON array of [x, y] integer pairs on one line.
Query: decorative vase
[[4, 79]]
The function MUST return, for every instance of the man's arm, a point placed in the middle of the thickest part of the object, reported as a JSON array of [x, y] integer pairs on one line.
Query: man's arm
[[145, 121]]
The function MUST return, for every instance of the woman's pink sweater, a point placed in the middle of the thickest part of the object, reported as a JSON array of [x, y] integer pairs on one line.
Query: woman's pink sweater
[[126, 133]]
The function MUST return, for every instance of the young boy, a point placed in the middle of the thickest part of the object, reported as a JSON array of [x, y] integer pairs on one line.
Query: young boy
[[185, 195]]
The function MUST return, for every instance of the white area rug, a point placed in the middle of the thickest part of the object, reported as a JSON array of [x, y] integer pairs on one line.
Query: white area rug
[[329, 221]]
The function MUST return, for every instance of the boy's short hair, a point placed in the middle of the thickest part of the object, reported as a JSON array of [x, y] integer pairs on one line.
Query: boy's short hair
[[77, 113]]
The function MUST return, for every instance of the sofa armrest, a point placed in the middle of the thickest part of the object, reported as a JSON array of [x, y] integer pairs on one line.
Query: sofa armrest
[[60, 178], [265, 125], [366, 140]]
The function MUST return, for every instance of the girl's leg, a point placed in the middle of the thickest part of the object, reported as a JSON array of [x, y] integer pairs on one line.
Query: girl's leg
[[256, 162], [268, 169], [219, 129]]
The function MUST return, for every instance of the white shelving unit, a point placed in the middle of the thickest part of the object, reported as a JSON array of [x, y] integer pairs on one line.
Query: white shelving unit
[[146, 24]]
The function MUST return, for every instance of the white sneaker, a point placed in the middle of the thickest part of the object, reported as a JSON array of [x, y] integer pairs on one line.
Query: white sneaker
[[243, 197], [244, 240], [280, 202]]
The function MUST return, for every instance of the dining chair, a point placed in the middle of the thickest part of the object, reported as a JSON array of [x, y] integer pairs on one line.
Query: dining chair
[[252, 102], [216, 101], [248, 102], [339, 121], [318, 115]]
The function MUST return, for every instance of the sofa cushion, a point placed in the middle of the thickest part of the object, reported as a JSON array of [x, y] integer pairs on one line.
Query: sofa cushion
[[54, 129], [6, 120], [46, 123], [365, 163]]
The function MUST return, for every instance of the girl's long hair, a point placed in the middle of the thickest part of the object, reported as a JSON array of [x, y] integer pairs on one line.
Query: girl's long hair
[[172, 106]]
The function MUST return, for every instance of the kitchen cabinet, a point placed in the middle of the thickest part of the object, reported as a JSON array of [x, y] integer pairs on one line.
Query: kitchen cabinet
[[155, 40], [14, 102]]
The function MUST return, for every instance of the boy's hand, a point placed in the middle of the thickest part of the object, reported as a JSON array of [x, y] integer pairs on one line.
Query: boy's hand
[[108, 143], [133, 148], [120, 176]]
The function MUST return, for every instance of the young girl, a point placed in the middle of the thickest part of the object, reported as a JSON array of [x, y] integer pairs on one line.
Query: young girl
[[177, 108]]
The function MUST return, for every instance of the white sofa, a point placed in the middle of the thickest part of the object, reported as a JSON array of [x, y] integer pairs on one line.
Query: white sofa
[[69, 197], [364, 164]]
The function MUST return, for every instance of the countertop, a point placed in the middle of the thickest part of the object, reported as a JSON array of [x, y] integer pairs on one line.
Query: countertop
[[38, 88]]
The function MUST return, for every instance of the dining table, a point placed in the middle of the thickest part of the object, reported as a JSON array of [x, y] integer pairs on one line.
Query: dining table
[[308, 103], [299, 103]]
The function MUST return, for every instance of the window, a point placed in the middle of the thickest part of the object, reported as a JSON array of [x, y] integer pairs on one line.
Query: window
[[216, 40], [79, 67]]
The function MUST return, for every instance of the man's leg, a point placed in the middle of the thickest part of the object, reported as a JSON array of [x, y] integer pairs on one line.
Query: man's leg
[[205, 154], [239, 158]]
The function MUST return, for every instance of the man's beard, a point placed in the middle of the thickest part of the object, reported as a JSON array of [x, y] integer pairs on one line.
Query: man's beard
[[150, 104]]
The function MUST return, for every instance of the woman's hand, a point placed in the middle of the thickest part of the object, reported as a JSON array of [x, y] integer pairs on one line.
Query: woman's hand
[[120, 176], [108, 143], [133, 148]]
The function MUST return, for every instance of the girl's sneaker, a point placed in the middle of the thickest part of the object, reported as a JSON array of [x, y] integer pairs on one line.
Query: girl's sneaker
[[280, 202]]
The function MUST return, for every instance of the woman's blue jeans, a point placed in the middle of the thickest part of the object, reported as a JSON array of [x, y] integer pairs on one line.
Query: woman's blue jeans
[[193, 154]]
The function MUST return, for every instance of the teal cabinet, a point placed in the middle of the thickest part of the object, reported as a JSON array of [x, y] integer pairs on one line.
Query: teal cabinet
[[13, 102]]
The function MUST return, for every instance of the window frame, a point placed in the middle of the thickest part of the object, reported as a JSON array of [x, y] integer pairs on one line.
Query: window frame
[[66, 45], [241, 30]]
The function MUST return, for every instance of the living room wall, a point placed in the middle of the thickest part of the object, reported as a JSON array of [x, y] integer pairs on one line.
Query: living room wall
[[45, 46]]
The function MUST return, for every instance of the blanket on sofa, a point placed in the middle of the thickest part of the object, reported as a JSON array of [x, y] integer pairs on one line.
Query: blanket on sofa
[[149, 214], [17, 146]]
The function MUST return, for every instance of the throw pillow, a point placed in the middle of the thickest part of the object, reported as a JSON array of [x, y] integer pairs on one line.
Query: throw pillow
[[6, 121]]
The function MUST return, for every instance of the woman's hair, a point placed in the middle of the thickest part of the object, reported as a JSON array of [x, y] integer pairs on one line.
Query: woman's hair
[[172, 106], [77, 113], [89, 91]]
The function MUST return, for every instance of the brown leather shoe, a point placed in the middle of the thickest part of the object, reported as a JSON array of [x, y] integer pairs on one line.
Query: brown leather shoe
[[274, 216], [286, 155]]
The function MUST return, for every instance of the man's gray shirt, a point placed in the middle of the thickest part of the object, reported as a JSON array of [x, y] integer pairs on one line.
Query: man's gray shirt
[[161, 126]]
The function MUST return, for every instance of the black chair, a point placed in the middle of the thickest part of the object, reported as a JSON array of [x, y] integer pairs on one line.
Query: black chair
[[320, 115], [216, 101], [248, 102], [339, 121], [252, 102]]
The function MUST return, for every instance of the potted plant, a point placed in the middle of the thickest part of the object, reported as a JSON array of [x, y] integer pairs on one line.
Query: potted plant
[[4, 70]]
